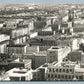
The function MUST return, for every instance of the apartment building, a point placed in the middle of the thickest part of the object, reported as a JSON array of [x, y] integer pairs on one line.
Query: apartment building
[[56, 53]]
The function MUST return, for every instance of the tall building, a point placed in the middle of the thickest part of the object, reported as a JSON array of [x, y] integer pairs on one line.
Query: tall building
[[56, 53], [40, 58], [71, 15]]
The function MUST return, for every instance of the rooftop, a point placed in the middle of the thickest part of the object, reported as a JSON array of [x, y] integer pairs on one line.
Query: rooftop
[[41, 53], [18, 72], [18, 60], [17, 45], [79, 70], [55, 48]]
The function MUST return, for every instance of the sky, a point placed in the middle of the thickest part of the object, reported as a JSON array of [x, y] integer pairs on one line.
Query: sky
[[41, 1]]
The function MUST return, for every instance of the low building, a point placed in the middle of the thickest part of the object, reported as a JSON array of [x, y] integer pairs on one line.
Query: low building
[[32, 49], [19, 74], [25, 63], [66, 71], [39, 73], [38, 59]]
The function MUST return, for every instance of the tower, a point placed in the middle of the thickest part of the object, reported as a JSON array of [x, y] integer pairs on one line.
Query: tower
[[70, 15]]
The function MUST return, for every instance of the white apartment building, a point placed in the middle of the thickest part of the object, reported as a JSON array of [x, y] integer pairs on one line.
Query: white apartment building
[[56, 53]]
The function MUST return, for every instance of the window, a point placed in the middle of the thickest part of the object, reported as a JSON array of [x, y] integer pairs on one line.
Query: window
[[53, 70], [58, 76], [69, 77], [60, 70], [73, 76], [80, 77], [22, 78], [62, 76], [65, 76], [55, 76], [51, 75], [56, 70], [49, 70], [67, 70], [38, 75], [63, 70], [48, 75], [70, 70], [77, 77]]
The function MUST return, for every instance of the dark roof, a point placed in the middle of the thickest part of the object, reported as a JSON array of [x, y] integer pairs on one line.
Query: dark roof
[[17, 45], [64, 25]]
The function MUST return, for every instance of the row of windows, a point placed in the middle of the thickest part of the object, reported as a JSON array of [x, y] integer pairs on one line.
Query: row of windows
[[17, 33], [64, 76], [61, 70], [18, 51], [60, 76]]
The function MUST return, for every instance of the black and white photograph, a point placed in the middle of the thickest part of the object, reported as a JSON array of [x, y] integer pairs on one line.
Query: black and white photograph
[[41, 42]]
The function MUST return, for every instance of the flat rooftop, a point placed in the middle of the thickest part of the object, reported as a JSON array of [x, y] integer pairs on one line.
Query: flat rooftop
[[56, 48], [17, 45], [18, 72]]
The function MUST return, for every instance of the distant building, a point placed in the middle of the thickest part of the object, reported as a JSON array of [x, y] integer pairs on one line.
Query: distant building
[[4, 40], [75, 56], [32, 49], [19, 31], [45, 33], [19, 35], [78, 28], [74, 44], [16, 50], [63, 27], [43, 41], [39, 25]]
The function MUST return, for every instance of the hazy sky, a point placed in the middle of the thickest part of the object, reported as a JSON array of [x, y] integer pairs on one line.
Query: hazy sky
[[41, 1]]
